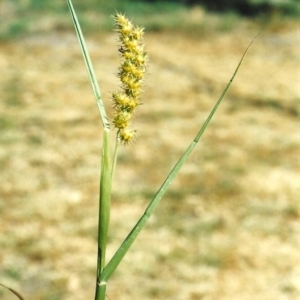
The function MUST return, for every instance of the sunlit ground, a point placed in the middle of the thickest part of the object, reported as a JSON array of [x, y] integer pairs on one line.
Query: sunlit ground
[[229, 226]]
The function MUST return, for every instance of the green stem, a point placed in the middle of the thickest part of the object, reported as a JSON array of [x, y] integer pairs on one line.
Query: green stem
[[105, 197], [115, 157], [100, 291], [104, 211]]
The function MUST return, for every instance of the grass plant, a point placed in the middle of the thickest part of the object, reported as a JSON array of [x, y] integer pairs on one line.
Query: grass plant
[[228, 220], [130, 73], [125, 102]]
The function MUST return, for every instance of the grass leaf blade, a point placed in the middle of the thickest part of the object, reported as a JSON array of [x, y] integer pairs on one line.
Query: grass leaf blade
[[13, 291], [117, 258], [104, 201], [104, 213], [201, 131], [89, 67]]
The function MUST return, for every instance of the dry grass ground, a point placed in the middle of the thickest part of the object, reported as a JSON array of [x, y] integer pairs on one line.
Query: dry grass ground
[[229, 227]]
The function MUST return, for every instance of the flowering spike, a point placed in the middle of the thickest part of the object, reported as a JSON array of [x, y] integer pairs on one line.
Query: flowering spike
[[122, 119], [131, 72], [127, 135]]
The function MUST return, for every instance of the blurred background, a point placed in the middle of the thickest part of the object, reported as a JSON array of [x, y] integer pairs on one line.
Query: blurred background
[[229, 226]]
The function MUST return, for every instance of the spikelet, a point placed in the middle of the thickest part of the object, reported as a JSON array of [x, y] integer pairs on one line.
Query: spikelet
[[131, 73]]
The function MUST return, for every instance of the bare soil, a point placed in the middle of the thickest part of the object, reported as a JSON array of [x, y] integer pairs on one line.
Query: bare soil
[[228, 228]]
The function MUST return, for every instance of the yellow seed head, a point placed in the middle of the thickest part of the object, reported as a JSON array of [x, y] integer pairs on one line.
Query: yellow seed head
[[120, 19], [141, 59], [137, 33], [132, 104], [133, 84], [126, 29], [138, 50], [121, 99], [128, 55], [124, 39], [138, 73], [131, 44], [122, 22], [123, 102], [133, 93], [128, 67], [127, 135], [122, 119], [125, 78], [131, 74]]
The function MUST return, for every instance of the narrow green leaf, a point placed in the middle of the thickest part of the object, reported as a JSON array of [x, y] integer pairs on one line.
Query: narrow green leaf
[[104, 214], [89, 67], [117, 258], [104, 201]]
